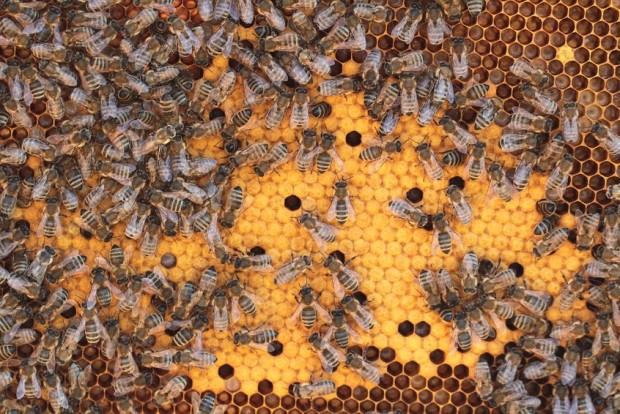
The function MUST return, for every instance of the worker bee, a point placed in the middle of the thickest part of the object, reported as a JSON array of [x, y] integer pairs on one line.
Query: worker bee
[[102, 290], [500, 186], [603, 382], [515, 142], [28, 385], [321, 233], [558, 179], [551, 242], [364, 368], [459, 136], [321, 110], [587, 226], [307, 150], [191, 330], [242, 299], [570, 125], [544, 348], [459, 57], [571, 291], [462, 209], [295, 69], [330, 357], [45, 353], [538, 99], [343, 277], [317, 63], [340, 329], [429, 161], [605, 337], [358, 311], [301, 24], [341, 208], [411, 61], [475, 167], [277, 155], [524, 169], [403, 209], [408, 96], [312, 389], [292, 269], [339, 86], [613, 192], [309, 309], [379, 151], [507, 371], [611, 230], [127, 384], [234, 203], [437, 26], [260, 338], [582, 401], [155, 282], [462, 335], [259, 262], [482, 377], [444, 237], [610, 140], [275, 114], [526, 121], [570, 361], [387, 97], [530, 73], [271, 68], [214, 239], [569, 331], [535, 302], [173, 388], [487, 113], [370, 69], [407, 27]]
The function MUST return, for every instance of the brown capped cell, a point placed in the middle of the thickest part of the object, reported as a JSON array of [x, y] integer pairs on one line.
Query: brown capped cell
[[265, 387], [91, 353], [607, 169], [596, 183], [344, 55], [360, 393], [344, 391], [606, 70], [335, 405], [448, 409], [586, 196], [351, 406], [272, 400], [280, 411], [475, 33], [611, 112], [465, 409], [401, 382], [240, 398], [226, 371], [468, 385], [579, 82], [534, 23], [474, 400], [582, 153], [256, 400], [367, 405], [594, 112], [376, 394], [416, 408], [303, 404], [319, 404], [576, 13], [377, 29], [598, 56], [442, 397], [526, 9], [418, 382], [541, 39], [96, 393], [517, 23], [425, 396], [515, 50], [434, 383], [511, 7], [570, 195], [287, 402], [392, 394], [386, 381], [394, 368], [531, 52]]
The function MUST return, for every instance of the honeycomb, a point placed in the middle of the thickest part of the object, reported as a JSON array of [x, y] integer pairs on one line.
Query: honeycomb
[[577, 43]]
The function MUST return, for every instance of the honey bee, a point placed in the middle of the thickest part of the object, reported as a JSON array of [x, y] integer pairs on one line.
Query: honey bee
[[551, 242], [276, 112], [516, 142], [57, 303], [299, 112], [568, 371], [507, 371], [558, 179], [544, 348], [571, 291], [437, 26], [362, 316], [340, 329], [321, 233], [309, 309], [271, 68], [155, 282], [462, 334], [387, 97], [412, 61], [482, 377], [364, 368], [535, 302], [610, 140], [312, 389], [538, 100], [28, 385], [317, 63], [18, 114], [127, 384], [341, 208], [611, 230], [260, 338], [526, 121], [407, 27], [370, 69], [192, 330], [303, 26], [339, 86], [582, 402], [173, 388], [295, 69], [500, 186], [523, 172], [569, 331], [379, 151], [429, 161], [403, 209], [328, 154], [242, 299], [462, 209], [208, 404], [214, 240], [220, 310], [289, 271], [328, 355], [307, 150], [102, 290], [605, 337], [530, 73], [587, 226], [45, 353], [277, 155], [132, 297], [603, 382]]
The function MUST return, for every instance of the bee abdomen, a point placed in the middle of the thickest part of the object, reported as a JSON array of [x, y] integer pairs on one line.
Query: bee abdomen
[[308, 316], [247, 305]]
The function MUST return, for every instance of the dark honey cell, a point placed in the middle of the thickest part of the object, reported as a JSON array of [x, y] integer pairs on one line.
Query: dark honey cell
[[319, 404], [224, 397], [451, 384], [335, 405], [422, 329], [376, 394], [359, 393], [372, 353], [263, 410], [466, 409], [287, 402], [418, 382], [401, 382], [474, 400], [353, 138], [405, 328], [256, 400], [392, 394], [91, 353], [265, 387], [394, 368], [444, 371], [388, 355], [367, 406], [468, 386], [434, 383], [412, 368], [226, 371], [344, 391], [386, 381], [351, 406], [240, 398], [437, 356], [303, 404], [272, 400], [416, 408], [383, 407]]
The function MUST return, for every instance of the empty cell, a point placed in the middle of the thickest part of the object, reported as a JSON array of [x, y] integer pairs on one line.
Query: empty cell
[[586, 196], [489, 62], [451, 384], [593, 14], [517, 23], [508, 36], [344, 55], [272, 400], [598, 56], [416, 408], [582, 153], [570, 195], [500, 21], [596, 183], [611, 112], [594, 112], [385, 42], [580, 83], [444, 371], [562, 81], [392, 394], [240, 398], [359, 393], [344, 391]]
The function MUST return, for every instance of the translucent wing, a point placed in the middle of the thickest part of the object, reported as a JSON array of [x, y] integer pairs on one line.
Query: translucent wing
[[295, 316], [323, 314], [338, 288], [398, 29], [92, 297], [376, 165], [331, 212], [235, 312], [336, 158]]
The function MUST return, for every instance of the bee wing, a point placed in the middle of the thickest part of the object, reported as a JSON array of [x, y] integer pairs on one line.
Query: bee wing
[[28, 98], [596, 344], [615, 306], [492, 192], [326, 366], [331, 212], [338, 288], [376, 165], [336, 158], [21, 388], [118, 294], [295, 316], [254, 297], [235, 312], [41, 226], [350, 208], [323, 314], [103, 262], [435, 242], [614, 342], [400, 26], [361, 316], [197, 345], [51, 362], [92, 297]]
